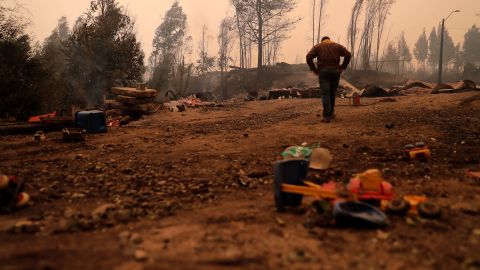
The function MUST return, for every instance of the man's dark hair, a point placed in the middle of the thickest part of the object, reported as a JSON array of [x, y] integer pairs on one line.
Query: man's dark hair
[[325, 37]]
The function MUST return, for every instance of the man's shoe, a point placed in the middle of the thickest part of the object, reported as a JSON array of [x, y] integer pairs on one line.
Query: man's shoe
[[325, 120]]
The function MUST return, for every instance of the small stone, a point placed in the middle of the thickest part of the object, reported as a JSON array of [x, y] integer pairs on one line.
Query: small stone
[[124, 236], [102, 210], [68, 213], [140, 255], [410, 221], [280, 222], [135, 238], [382, 235], [26, 226], [80, 156], [63, 225], [78, 195], [123, 215], [257, 173], [467, 208]]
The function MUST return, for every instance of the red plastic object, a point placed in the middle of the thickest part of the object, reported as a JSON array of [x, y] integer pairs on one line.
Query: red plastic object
[[38, 118], [370, 186], [356, 100]]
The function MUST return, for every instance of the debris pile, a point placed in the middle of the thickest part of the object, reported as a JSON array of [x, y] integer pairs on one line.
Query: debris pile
[[313, 92], [191, 101], [345, 89], [130, 104]]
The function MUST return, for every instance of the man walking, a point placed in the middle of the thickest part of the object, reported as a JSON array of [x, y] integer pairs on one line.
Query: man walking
[[328, 70]]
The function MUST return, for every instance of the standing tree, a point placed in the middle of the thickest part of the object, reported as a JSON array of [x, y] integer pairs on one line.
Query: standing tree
[[421, 49], [225, 43], [404, 54], [265, 21], [383, 10], [321, 18], [170, 45], [353, 30], [21, 72], [433, 49], [103, 50], [314, 7], [471, 46], [390, 58], [205, 63], [448, 48], [54, 60]]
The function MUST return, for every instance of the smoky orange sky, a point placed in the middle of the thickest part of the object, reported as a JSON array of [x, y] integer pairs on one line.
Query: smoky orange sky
[[410, 16]]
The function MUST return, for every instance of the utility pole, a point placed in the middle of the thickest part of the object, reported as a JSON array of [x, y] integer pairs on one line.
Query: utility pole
[[440, 64]]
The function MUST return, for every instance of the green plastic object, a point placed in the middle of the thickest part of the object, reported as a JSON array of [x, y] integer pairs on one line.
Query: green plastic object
[[297, 152]]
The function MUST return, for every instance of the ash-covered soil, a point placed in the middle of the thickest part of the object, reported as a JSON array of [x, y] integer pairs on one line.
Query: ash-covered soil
[[193, 190]]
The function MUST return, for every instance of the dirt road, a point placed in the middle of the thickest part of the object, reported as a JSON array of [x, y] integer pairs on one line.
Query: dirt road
[[193, 190]]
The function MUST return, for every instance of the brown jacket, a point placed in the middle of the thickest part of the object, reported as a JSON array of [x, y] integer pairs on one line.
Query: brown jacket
[[328, 55]]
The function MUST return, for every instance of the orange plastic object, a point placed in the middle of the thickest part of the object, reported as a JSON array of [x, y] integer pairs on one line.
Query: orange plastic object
[[414, 200], [473, 174]]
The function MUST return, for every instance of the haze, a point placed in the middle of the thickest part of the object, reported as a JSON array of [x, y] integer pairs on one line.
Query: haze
[[410, 16]]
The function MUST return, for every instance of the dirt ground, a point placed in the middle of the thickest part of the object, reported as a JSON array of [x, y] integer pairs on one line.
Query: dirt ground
[[193, 190]]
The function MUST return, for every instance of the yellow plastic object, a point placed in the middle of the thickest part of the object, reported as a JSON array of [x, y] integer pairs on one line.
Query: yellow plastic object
[[371, 180], [414, 201], [419, 152], [309, 190]]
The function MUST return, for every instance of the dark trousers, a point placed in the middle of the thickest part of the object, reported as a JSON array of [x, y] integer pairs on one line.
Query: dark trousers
[[329, 80]]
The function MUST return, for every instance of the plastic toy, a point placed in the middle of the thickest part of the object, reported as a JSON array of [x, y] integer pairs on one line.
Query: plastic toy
[[414, 205], [290, 186], [419, 151], [369, 186], [358, 214], [11, 193]]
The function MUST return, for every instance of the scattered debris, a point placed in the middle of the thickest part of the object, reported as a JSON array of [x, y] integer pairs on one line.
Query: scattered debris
[[191, 101], [74, 134], [39, 136], [388, 100], [465, 85], [374, 91], [419, 84]]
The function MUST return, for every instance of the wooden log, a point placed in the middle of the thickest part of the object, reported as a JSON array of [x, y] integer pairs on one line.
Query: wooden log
[[26, 128], [141, 108], [133, 100], [132, 92]]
